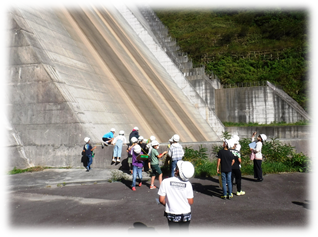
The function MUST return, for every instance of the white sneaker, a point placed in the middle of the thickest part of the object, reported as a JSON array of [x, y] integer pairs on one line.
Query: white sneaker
[[113, 160], [240, 193], [118, 160]]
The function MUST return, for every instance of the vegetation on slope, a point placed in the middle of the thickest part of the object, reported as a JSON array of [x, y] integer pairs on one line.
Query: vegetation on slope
[[244, 46]]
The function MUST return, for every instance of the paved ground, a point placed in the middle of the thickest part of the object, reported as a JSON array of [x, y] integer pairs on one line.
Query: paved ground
[[81, 200]]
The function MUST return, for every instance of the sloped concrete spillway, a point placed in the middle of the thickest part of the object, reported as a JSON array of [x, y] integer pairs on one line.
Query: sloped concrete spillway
[[79, 72]]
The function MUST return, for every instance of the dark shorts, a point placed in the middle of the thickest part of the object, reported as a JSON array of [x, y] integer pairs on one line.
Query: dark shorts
[[105, 139], [155, 170]]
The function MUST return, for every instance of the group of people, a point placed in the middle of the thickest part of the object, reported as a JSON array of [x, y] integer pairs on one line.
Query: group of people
[[176, 192], [138, 146], [229, 163]]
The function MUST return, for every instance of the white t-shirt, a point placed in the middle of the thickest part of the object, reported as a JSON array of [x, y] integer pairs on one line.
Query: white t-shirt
[[177, 193]]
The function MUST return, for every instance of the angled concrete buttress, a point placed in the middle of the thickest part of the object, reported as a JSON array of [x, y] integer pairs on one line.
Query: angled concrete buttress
[[79, 72]]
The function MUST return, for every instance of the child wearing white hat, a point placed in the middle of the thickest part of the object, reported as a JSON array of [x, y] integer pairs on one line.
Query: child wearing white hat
[[119, 141], [88, 150]]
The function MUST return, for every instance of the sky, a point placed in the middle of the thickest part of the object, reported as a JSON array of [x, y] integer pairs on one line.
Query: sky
[[2, 2]]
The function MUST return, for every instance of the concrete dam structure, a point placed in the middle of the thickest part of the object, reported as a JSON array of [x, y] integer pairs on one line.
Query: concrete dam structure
[[78, 72]]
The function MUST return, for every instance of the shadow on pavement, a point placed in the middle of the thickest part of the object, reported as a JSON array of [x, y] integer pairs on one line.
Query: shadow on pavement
[[310, 205], [249, 179], [142, 230], [210, 190]]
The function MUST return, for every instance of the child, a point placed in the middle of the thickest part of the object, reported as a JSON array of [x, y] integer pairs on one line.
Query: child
[[119, 141], [226, 160], [154, 164], [176, 152], [144, 151], [137, 166], [236, 171], [176, 194], [133, 142], [88, 149], [108, 138]]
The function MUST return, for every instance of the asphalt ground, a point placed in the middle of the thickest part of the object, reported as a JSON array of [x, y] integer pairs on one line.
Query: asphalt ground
[[84, 201]]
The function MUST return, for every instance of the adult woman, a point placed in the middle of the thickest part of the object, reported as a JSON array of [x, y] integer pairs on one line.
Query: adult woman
[[258, 156]]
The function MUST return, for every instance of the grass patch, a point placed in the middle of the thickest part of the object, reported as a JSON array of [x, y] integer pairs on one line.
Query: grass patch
[[34, 169], [19, 171]]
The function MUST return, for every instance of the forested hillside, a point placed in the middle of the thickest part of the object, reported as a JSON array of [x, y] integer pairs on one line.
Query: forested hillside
[[242, 46]]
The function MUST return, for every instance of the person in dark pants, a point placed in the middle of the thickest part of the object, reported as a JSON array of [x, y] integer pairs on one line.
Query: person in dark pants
[[176, 194], [236, 169], [88, 149], [226, 160], [134, 133], [108, 138], [258, 174]]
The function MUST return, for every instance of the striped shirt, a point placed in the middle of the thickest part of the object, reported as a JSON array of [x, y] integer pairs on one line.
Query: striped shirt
[[176, 151]]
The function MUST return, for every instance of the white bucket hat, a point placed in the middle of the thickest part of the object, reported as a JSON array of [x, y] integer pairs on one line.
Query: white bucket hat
[[137, 149], [86, 139], [176, 138], [133, 139], [186, 170], [264, 137]]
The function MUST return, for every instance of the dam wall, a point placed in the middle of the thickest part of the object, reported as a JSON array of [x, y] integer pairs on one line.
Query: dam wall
[[76, 73]]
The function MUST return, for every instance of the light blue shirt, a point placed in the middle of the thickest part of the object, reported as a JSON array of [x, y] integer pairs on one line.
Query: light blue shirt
[[109, 135]]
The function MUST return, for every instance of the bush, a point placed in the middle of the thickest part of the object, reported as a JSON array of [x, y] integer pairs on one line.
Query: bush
[[299, 162], [199, 158], [277, 157]]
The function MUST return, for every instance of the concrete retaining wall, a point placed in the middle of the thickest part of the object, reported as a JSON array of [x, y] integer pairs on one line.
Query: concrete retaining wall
[[258, 104]]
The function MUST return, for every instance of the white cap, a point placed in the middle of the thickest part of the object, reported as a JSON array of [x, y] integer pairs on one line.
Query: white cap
[[176, 138], [133, 139], [154, 143], [136, 128], [235, 138], [121, 132], [140, 138], [137, 149], [230, 143], [186, 169], [86, 139], [264, 137], [238, 147], [152, 138], [112, 130]]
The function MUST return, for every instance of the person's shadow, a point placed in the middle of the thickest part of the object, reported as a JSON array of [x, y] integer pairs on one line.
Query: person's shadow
[[141, 230], [308, 204]]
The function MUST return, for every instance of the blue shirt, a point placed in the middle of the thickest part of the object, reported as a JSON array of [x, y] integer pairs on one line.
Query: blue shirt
[[109, 135]]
